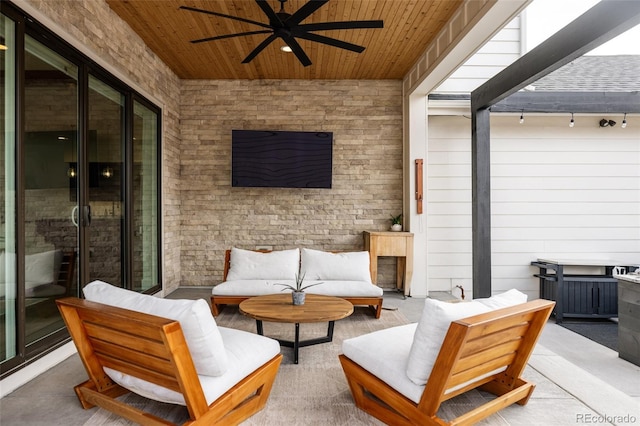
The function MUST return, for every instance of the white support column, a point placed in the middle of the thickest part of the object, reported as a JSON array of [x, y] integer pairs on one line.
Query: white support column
[[415, 146]]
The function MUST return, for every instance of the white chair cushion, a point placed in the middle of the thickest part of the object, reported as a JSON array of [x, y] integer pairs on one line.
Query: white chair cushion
[[504, 300], [253, 265], [198, 325], [322, 265], [432, 328], [385, 354], [327, 288], [434, 324], [245, 351]]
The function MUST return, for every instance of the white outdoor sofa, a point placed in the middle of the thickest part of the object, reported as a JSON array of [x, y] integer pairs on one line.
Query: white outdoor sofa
[[249, 273]]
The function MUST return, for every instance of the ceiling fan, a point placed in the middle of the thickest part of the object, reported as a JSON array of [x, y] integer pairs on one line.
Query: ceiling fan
[[288, 27]]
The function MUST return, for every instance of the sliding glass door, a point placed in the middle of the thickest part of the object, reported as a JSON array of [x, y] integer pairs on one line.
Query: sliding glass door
[[106, 176], [145, 191], [49, 150], [79, 185]]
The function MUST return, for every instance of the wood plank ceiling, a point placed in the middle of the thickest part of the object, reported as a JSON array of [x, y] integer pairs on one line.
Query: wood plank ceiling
[[409, 26]]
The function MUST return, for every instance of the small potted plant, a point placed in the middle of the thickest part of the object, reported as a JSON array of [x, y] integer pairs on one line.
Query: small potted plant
[[396, 222], [297, 292]]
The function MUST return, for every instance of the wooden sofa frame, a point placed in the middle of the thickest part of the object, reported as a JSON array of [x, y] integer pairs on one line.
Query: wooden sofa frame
[[219, 302], [153, 349], [472, 349]]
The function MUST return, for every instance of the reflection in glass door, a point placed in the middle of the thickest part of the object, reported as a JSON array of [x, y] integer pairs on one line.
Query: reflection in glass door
[[145, 198], [8, 288], [106, 176], [49, 152]]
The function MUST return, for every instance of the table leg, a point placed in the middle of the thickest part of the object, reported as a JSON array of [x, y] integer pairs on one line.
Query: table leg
[[259, 327], [296, 343]]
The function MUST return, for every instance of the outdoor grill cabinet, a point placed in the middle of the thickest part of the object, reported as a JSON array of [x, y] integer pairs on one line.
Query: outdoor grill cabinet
[[583, 294]]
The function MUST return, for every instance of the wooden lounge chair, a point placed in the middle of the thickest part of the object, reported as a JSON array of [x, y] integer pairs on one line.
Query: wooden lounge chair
[[153, 349], [487, 351]]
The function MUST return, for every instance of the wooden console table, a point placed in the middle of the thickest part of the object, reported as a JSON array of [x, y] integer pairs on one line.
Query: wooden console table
[[393, 244]]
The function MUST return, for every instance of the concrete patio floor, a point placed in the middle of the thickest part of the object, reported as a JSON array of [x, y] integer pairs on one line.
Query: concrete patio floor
[[578, 382]]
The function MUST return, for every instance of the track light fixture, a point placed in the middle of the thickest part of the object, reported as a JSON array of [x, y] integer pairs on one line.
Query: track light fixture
[[572, 122], [624, 121], [607, 123]]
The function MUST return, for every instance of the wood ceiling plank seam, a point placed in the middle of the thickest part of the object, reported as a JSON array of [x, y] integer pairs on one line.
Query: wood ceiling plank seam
[[423, 35], [384, 41], [144, 28], [377, 39], [365, 37]]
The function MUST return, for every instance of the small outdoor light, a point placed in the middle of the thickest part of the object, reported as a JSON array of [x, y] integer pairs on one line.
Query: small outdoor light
[[607, 123]]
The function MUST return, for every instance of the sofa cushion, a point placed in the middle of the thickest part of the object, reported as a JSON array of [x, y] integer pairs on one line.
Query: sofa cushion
[[245, 351], [42, 268], [346, 266], [253, 265], [250, 287], [434, 324], [327, 288], [198, 325]]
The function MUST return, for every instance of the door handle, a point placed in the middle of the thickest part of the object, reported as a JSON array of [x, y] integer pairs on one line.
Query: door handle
[[86, 210], [74, 212]]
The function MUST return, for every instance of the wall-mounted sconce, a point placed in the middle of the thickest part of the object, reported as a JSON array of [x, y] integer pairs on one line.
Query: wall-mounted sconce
[[624, 121], [572, 122], [607, 123], [107, 172]]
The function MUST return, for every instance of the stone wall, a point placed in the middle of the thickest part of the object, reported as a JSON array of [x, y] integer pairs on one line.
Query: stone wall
[[366, 120]]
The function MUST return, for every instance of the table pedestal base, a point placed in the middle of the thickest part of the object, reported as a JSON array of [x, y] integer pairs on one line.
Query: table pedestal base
[[297, 344]]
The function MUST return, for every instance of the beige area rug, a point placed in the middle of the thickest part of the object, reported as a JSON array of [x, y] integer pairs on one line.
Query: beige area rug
[[313, 392]]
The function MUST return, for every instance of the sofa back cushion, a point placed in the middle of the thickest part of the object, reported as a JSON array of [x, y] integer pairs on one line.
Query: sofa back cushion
[[198, 325], [434, 324], [345, 266], [255, 265]]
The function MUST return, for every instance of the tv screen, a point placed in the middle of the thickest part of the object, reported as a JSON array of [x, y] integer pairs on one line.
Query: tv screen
[[281, 159]]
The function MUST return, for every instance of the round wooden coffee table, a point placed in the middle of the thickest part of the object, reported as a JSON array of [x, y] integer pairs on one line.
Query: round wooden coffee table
[[279, 308]]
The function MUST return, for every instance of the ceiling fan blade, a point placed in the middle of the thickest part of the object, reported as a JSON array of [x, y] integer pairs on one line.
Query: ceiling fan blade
[[222, 15], [346, 25], [201, 40], [306, 10], [259, 48], [331, 42], [274, 19], [297, 50]]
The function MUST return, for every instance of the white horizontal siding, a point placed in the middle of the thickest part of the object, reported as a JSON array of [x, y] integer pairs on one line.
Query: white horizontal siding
[[556, 192], [498, 53]]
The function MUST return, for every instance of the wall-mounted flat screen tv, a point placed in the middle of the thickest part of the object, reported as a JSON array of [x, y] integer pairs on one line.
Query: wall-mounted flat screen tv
[[281, 159]]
